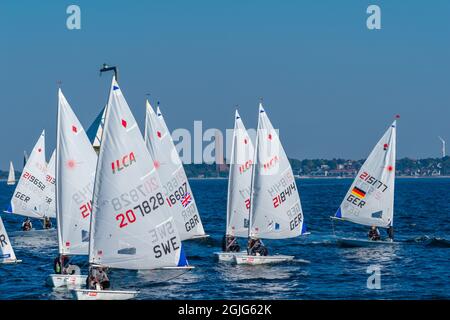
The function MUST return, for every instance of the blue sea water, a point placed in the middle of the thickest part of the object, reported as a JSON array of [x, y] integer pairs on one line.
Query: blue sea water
[[418, 268]]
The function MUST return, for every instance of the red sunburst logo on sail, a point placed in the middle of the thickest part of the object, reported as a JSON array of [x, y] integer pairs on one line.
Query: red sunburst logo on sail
[[71, 164], [124, 123]]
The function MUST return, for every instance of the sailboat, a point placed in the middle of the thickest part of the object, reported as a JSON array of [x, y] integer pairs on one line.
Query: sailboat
[[30, 197], [275, 208], [131, 227], [370, 199], [7, 255], [177, 191], [11, 176], [239, 185], [76, 162]]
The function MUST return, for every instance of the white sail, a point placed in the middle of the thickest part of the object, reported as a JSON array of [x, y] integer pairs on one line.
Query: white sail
[[176, 189], [239, 181], [370, 199], [49, 205], [75, 163], [131, 227], [12, 175], [30, 194], [6, 250], [276, 211]]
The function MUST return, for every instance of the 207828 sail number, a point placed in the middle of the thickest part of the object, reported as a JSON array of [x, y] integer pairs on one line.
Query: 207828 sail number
[[148, 205]]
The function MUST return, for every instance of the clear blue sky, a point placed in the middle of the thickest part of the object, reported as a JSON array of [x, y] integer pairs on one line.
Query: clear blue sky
[[329, 84]]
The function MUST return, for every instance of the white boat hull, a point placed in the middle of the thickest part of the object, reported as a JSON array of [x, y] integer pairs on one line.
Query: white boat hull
[[353, 242], [228, 256], [199, 237], [10, 261], [66, 280], [84, 294], [257, 260]]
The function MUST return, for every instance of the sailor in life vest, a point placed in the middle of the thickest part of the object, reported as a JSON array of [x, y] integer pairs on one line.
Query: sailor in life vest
[[374, 234], [256, 248], [230, 244], [27, 225], [61, 264], [47, 223], [97, 279]]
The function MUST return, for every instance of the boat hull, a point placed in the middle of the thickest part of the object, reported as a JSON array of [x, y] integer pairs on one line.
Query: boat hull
[[228, 256], [84, 294], [10, 261], [258, 260], [354, 243], [199, 237], [66, 280]]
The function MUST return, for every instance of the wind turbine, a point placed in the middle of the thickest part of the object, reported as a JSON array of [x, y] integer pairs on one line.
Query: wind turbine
[[443, 147]]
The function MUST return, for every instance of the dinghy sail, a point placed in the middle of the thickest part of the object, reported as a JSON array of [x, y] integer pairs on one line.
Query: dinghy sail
[[275, 207], [239, 187], [370, 199], [239, 184], [29, 198], [76, 162], [7, 254], [11, 176], [177, 191], [131, 227]]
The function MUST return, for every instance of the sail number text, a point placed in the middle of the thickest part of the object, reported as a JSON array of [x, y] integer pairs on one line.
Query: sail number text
[[145, 207], [282, 197], [34, 180], [373, 181]]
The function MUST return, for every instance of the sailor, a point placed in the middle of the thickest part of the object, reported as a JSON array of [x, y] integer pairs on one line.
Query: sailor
[[103, 278], [60, 264], [230, 244], [257, 248], [92, 281], [374, 234], [27, 225], [47, 223], [390, 232], [98, 279]]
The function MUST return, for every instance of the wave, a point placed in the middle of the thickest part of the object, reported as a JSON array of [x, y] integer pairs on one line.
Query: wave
[[432, 241]]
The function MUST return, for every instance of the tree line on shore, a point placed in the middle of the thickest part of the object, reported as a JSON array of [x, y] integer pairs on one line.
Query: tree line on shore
[[325, 168]]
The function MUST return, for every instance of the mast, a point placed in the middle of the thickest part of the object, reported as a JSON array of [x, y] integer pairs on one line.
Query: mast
[[255, 156], [58, 224], [230, 171]]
